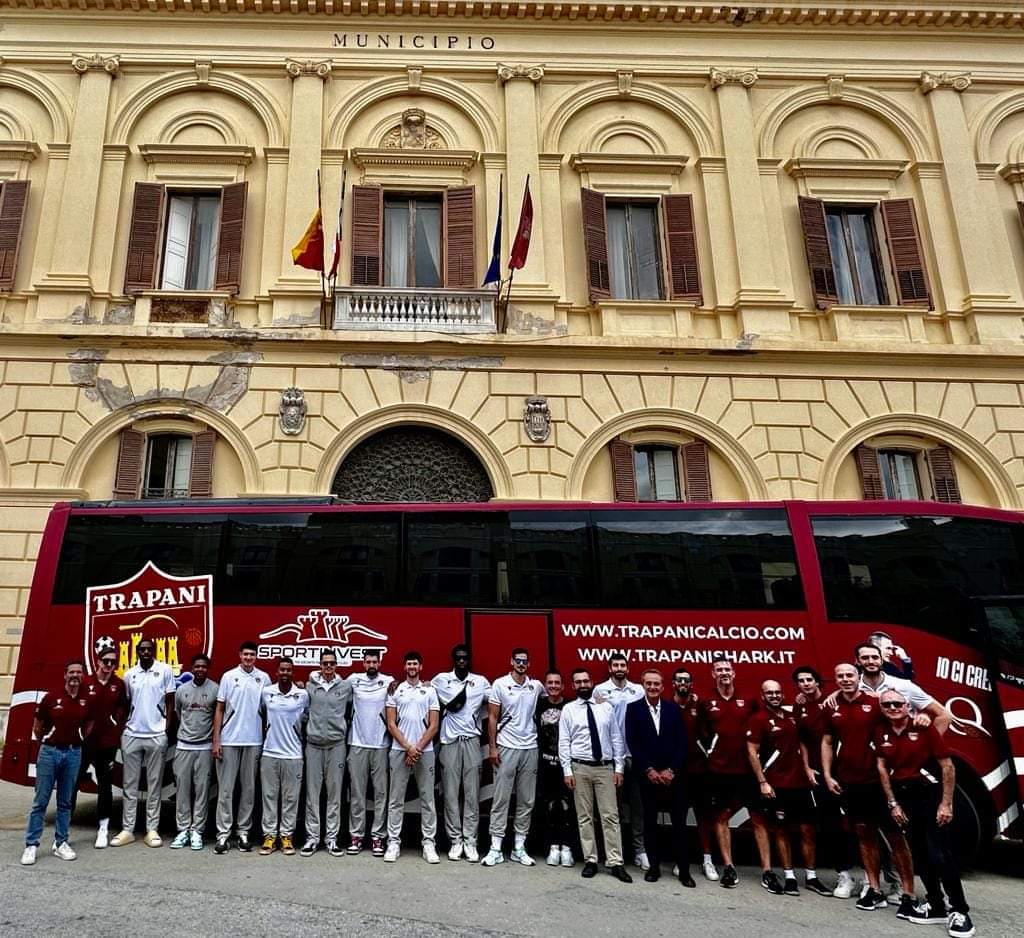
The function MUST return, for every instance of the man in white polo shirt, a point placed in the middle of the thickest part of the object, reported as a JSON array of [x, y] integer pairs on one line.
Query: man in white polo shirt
[[150, 688], [412, 713], [237, 739], [513, 753], [368, 746], [463, 697]]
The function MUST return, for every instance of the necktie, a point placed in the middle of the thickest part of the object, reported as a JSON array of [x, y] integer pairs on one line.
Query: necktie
[[595, 737]]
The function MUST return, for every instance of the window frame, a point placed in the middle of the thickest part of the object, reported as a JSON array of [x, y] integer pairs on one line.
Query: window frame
[[649, 449], [870, 212], [886, 454], [433, 196], [168, 491], [632, 275], [191, 265]]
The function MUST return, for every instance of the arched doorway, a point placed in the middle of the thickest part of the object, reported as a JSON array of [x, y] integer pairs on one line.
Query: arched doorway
[[412, 464]]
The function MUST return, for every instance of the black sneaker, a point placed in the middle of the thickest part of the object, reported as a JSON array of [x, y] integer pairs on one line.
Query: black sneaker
[[871, 900], [221, 847], [771, 882], [334, 850], [729, 878], [243, 843], [959, 925], [924, 913], [309, 848], [813, 884], [790, 887], [906, 907]]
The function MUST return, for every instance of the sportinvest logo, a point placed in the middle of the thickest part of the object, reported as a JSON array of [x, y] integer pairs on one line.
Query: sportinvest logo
[[316, 631]]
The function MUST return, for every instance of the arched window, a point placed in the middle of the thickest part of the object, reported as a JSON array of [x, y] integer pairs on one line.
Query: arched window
[[164, 464], [660, 471], [907, 469]]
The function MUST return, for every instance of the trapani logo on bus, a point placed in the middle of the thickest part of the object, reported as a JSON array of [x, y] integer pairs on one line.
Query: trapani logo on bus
[[316, 631], [175, 611]]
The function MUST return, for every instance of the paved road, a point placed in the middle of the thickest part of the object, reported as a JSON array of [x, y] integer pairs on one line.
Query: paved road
[[144, 892]]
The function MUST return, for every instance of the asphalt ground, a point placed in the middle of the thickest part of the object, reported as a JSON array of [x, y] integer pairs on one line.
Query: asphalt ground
[[140, 891]]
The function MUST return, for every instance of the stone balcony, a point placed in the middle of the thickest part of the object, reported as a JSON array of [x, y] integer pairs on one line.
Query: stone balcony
[[406, 310]]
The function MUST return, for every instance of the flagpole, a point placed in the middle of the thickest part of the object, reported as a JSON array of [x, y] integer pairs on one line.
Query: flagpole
[[323, 246], [337, 236]]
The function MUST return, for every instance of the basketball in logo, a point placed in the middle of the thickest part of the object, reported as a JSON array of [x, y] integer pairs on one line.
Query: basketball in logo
[[194, 636]]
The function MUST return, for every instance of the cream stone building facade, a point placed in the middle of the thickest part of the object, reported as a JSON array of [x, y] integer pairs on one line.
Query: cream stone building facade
[[777, 252]]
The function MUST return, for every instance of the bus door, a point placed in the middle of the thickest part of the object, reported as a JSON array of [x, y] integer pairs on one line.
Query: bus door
[[493, 634], [1001, 624]]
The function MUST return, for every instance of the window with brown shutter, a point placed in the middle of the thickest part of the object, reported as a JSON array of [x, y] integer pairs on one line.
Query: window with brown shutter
[[144, 237], [945, 487], [595, 245], [697, 472], [683, 266], [819, 255], [200, 480], [13, 203], [228, 272], [460, 237], [131, 453], [870, 472], [905, 252], [623, 471], [367, 219]]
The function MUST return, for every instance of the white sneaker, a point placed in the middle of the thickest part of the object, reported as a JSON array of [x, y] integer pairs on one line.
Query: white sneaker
[[895, 894], [391, 854], [195, 840], [470, 851], [846, 885], [64, 851], [430, 853], [675, 870], [28, 857], [122, 839], [555, 855], [519, 855], [493, 858], [455, 853], [567, 860], [182, 840], [102, 839], [642, 861], [710, 872], [152, 839]]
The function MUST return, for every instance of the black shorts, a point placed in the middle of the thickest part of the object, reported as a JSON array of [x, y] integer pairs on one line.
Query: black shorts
[[865, 804], [698, 793], [789, 806], [731, 792]]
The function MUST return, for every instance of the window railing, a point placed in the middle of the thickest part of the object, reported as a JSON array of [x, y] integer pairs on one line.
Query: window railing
[[399, 309]]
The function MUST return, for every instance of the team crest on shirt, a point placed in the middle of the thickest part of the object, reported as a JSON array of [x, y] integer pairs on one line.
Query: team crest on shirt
[[866, 708], [912, 736], [318, 630], [741, 703]]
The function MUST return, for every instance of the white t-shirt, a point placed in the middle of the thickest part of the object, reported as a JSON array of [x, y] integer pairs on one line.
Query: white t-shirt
[[464, 723], [516, 726], [369, 731], [619, 698], [413, 704], [240, 693], [915, 695], [147, 699], [284, 713]]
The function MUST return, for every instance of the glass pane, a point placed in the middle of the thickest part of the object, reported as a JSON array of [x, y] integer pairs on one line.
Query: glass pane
[[428, 244], [642, 471], [257, 556], [867, 275], [840, 258], [156, 471], [452, 559], [645, 245], [176, 248], [904, 470], [618, 252], [181, 466], [396, 244], [666, 484], [1006, 635], [550, 558], [203, 249]]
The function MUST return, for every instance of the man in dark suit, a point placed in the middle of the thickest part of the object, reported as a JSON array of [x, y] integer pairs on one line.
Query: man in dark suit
[[656, 736]]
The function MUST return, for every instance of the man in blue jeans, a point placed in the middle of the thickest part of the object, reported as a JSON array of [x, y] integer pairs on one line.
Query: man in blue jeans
[[63, 720]]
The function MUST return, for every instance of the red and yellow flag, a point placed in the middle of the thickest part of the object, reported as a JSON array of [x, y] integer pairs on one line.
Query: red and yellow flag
[[309, 252]]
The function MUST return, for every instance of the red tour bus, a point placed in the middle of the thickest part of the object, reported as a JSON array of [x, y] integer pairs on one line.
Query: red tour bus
[[770, 585]]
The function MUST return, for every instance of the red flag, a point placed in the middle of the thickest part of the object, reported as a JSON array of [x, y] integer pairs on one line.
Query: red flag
[[521, 244]]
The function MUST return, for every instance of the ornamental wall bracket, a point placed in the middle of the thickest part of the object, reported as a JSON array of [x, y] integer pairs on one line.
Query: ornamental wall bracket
[[625, 78], [295, 69], [84, 63], [834, 84], [958, 81], [537, 419], [203, 72], [415, 76], [747, 77], [532, 72], [292, 412]]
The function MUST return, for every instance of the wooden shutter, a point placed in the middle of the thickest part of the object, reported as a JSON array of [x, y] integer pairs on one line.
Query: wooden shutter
[[870, 473], [200, 477], [459, 237], [13, 202], [684, 269], [228, 274], [623, 471], [945, 487], [905, 252], [819, 254], [696, 472], [595, 244], [367, 224], [144, 237], [131, 458]]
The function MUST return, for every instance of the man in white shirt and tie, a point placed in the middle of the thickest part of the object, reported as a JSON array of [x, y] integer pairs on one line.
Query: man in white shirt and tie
[[592, 753]]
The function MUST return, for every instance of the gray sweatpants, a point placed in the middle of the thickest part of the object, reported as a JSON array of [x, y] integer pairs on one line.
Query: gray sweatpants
[[325, 765], [631, 807], [423, 772], [517, 770], [364, 765], [137, 752], [461, 764], [237, 764], [280, 778], [192, 769]]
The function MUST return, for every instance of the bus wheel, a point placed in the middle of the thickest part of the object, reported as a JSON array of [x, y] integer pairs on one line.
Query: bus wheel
[[973, 824]]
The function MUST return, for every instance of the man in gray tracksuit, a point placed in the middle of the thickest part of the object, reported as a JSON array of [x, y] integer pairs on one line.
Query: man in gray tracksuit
[[329, 696], [194, 706]]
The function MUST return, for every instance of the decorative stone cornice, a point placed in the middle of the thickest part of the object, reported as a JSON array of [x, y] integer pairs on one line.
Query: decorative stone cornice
[[747, 77], [295, 69], [18, 150], [84, 63], [957, 81], [507, 73]]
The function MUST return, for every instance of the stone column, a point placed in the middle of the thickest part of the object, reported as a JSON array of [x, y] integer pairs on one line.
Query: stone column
[[758, 300], [67, 288]]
